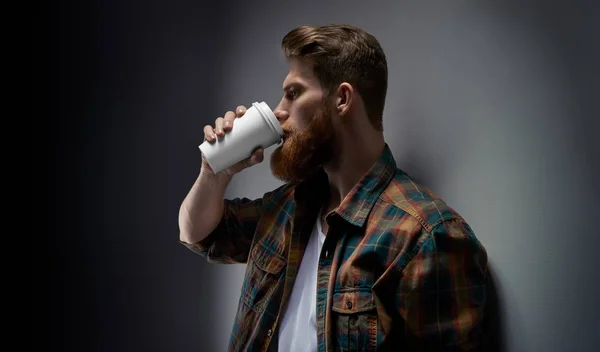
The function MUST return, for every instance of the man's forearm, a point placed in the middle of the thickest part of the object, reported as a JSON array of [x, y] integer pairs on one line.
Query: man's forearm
[[202, 209]]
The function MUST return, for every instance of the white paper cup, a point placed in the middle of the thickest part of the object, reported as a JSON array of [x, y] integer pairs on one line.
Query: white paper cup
[[258, 127]]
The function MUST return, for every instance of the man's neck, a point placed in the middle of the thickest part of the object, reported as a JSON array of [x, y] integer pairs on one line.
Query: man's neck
[[357, 154]]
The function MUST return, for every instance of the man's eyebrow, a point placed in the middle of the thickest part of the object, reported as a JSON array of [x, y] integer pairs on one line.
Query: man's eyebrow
[[292, 85]]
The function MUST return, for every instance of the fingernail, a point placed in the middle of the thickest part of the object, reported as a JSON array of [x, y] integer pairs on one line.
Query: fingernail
[[213, 136], [227, 123], [219, 131]]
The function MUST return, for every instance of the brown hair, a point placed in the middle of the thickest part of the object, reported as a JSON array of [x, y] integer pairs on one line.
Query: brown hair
[[343, 53]]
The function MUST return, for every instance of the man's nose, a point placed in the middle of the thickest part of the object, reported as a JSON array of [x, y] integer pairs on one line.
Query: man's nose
[[281, 114]]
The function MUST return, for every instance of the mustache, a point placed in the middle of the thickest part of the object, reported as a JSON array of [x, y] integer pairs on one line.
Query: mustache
[[287, 133]]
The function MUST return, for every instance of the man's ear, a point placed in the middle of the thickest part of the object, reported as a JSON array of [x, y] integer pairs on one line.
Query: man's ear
[[344, 98]]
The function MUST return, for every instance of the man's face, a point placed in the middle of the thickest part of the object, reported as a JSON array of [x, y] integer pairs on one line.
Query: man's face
[[306, 118]]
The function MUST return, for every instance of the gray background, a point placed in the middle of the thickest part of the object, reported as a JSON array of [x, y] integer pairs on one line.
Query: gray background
[[494, 106]]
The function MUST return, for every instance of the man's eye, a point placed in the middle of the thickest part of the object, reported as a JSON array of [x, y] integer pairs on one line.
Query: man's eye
[[292, 94]]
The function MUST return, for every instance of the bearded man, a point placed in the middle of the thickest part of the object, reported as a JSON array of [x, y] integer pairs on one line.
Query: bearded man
[[350, 253]]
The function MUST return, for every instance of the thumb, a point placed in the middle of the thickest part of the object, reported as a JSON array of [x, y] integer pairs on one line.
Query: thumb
[[257, 157]]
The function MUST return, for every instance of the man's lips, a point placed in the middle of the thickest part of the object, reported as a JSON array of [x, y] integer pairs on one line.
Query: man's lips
[[284, 138]]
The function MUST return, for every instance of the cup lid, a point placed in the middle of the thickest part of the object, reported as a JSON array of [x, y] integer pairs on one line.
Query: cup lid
[[269, 116]]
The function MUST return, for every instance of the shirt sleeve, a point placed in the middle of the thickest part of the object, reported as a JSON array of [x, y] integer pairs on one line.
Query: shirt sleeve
[[231, 240], [442, 292]]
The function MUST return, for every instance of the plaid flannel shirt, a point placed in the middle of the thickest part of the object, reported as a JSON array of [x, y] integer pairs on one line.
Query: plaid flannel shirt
[[399, 269]]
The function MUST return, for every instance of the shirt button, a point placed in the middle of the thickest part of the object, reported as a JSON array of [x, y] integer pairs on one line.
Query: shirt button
[[349, 305], [270, 332]]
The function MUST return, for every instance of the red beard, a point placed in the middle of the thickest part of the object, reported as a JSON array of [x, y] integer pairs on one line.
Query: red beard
[[304, 152]]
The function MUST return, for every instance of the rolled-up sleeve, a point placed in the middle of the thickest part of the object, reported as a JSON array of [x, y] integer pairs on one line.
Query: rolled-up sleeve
[[231, 240]]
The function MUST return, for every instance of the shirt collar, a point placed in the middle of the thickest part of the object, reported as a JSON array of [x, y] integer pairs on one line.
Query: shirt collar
[[359, 202]]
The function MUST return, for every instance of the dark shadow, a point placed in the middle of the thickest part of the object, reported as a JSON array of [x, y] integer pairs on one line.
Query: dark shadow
[[493, 321]]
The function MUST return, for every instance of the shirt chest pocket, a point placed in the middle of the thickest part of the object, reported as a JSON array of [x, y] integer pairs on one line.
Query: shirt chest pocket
[[263, 273], [355, 320]]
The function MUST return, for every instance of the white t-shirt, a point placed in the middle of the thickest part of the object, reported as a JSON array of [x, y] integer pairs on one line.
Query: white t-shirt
[[298, 330]]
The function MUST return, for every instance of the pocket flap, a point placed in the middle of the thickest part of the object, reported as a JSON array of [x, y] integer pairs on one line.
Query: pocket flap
[[355, 300], [267, 260]]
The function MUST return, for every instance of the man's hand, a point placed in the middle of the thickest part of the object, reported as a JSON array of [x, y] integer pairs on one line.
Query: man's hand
[[222, 126]]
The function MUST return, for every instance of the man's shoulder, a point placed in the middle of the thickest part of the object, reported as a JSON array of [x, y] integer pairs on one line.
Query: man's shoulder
[[419, 201], [281, 194]]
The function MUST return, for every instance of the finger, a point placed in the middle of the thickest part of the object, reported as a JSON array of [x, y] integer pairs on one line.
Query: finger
[[257, 157], [228, 120], [209, 133], [219, 127], [240, 111]]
